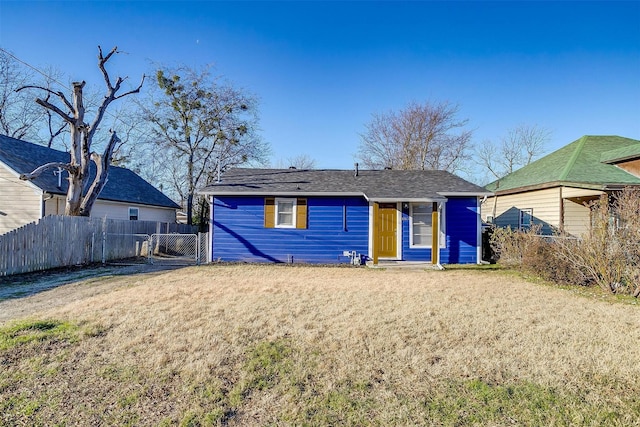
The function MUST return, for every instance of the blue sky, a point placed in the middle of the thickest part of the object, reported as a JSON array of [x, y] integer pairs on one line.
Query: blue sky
[[320, 69]]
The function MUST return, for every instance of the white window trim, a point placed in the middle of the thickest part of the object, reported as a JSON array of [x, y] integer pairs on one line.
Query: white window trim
[[294, 211], [137, 210], [443, 236], [529, 211]]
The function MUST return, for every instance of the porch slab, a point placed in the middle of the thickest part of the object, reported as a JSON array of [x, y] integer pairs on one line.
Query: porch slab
[[416, 265]]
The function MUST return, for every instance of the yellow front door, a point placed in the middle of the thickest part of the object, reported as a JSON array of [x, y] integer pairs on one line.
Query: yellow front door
[[386, 231]]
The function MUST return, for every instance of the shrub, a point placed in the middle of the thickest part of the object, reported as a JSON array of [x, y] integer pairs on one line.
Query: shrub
[[607, 256], [532, 253], [511, 247]]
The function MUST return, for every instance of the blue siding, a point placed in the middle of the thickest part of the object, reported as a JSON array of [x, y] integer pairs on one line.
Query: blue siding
[[461, 234], [239, 233]]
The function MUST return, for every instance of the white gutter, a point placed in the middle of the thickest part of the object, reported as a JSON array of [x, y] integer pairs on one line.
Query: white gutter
[[295, 193], [465, 194], [301, 193], [405, 199]]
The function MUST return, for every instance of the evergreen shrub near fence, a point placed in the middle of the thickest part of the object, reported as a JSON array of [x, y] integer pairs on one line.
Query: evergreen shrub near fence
[[61, 241]]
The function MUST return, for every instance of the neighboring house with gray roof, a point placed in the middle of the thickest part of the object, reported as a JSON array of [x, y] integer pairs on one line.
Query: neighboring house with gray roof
[[125, 196], [330, 216], [556, 191]]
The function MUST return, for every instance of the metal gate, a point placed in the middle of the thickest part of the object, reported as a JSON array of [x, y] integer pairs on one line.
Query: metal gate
[[174, 248]]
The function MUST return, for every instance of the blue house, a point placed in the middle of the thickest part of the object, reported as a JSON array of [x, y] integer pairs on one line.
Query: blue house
[[341, 216]]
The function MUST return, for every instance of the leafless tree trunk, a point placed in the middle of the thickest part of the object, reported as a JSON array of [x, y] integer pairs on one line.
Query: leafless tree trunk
[[82, 133]]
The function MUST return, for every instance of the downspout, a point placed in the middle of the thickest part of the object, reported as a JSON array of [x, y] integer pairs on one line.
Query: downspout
[[479, 230], [43, 206], [495, 202], [561, 222], [210, 236]]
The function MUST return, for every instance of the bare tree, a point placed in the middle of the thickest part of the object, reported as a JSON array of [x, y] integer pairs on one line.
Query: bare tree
[[72, 112], [204, 125], [519, 147], [20, 117], [300, 161], [419, 137], [18, 114]]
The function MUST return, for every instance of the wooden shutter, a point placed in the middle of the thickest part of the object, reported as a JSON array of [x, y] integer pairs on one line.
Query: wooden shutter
[[301, 218], [269, 212]]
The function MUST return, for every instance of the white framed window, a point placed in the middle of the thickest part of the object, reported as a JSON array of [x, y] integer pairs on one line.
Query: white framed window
[[526, 218], [420, 226], [133, 214], [285, 212]]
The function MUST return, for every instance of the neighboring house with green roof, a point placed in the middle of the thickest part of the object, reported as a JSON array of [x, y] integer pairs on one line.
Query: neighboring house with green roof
[[555, 191], [125, 195]]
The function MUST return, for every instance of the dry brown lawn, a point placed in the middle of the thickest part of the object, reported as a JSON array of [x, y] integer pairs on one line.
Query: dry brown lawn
[[280, 345]]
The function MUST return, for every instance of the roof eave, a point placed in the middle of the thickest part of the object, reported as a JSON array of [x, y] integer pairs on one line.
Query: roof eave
[[618, 187], [293, 193], [299, 193], [622, 159], [466, 193], [407, 199], [547, 185]]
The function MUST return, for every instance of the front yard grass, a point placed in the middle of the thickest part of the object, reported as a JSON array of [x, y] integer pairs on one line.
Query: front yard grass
[[270, 345]]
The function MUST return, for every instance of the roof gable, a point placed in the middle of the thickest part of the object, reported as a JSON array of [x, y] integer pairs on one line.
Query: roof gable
[[372, 184], [579, 162], [122, 185]]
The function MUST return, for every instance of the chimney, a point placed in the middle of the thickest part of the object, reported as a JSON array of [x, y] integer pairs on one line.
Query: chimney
[[356, 169]]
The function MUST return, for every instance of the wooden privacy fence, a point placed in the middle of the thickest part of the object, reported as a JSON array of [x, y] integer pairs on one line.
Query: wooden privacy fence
[[60, 241]]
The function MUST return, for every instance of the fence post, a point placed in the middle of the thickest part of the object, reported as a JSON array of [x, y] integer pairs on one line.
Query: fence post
[[198, 248], [149, 249]]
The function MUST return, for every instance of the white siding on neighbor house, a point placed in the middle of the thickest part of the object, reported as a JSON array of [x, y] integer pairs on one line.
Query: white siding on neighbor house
[[20, 201], [118, 210], [545, 205], [568, 192], [577, 218], [577, 215], [55, 205]]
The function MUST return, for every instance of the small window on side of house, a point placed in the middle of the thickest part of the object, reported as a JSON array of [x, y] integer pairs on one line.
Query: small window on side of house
[[133, 214], [285, 212]]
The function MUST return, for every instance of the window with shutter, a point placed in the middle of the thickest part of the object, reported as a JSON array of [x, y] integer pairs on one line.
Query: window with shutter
[[284, 212]]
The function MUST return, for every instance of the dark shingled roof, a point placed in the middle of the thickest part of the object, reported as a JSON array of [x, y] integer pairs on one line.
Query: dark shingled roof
[[123, 185], [375, 185]]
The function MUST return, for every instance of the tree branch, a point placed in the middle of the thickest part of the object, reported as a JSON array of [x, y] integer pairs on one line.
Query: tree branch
[[39, 170], [55, 109], [136, 90], [51, 92], [102, 173], [103, 60]]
